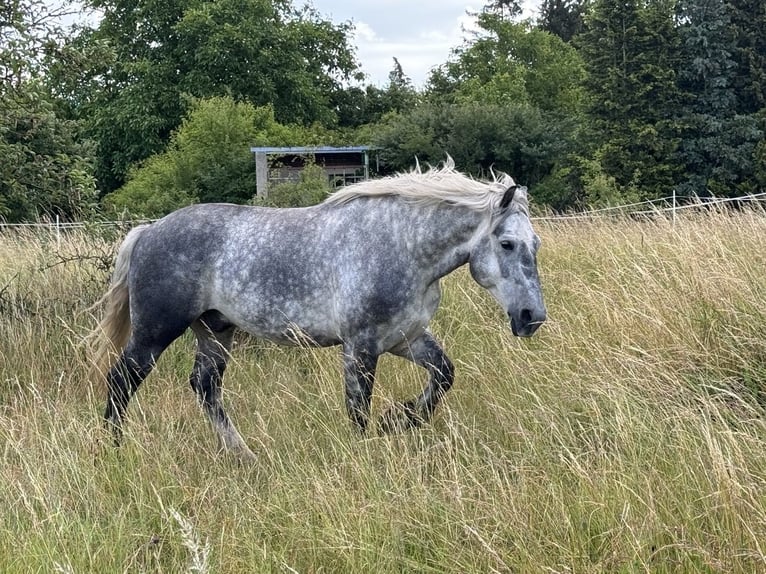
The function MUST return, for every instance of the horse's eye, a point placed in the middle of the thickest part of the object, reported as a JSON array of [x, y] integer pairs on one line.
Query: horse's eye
[[508, 245]]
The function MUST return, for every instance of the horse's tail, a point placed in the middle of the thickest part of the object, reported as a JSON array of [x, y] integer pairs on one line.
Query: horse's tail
[[112, 333]]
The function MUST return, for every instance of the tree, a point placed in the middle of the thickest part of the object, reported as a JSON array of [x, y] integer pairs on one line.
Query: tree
[[479, 137], [512, 63], [530, 81], [717, 143], [564, 18], [262, 51], [45, 169], [311, 188], [399, 95], [630, 49], [208, 159], [748, 22], [356, 106], [505, 9]]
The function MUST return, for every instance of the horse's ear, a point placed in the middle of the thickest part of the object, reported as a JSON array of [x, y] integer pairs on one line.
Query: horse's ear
[[508, 196]]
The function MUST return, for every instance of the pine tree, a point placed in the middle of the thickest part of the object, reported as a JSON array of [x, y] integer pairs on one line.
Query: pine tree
[[629, 48], [748, 28], [400, 95], [749, 22], [562, 17], [505, 9], [717, 141]]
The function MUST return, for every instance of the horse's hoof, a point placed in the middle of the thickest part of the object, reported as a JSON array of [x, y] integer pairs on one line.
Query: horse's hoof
[[239, 455], [400, 417], [247, 457]]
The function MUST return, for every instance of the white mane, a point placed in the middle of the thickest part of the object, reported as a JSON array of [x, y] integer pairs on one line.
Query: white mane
[[437, 185]]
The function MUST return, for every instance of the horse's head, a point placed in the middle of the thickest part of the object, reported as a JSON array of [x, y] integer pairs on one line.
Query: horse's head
[[504, 261]]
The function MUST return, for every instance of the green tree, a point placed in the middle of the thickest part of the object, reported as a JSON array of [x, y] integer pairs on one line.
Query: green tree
[[525, 87], [45, 170], [266, 52], [748, 22], [399, 95], [718, 144], [479, 137], [630, 49], [356, 106], [564, 18], [512, 63], [207, 160], [311, 188], [504, 9]]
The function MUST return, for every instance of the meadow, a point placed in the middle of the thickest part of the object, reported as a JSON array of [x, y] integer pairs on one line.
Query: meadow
[[628, 435]]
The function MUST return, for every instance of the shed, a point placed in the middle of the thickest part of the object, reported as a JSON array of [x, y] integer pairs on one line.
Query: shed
[[343, 165]]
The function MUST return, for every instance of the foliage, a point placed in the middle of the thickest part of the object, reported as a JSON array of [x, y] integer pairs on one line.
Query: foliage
[[311, 188], [564, 18], [630, 51], [45, 164], [531, 82], [748, 21], [511, 99], [759, 158], [579, 182], [516, 139], [358, 106], [597, 102], [265, 52], [208, 159], [511, 64], [399, 95], [45, 170], [717, 143], [504, 9]]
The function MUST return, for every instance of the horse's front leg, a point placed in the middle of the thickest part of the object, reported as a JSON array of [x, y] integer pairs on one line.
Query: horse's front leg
[[359, 372], [426, 352]]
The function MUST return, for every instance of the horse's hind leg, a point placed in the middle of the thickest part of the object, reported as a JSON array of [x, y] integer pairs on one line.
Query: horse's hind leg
[[124, 378], [214, 337], [426, 352]]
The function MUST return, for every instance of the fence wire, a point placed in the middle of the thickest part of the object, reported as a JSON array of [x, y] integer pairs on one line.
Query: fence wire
[[649, 207]]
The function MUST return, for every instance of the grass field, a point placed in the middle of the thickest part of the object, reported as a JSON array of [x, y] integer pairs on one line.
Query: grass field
[[629, 435]]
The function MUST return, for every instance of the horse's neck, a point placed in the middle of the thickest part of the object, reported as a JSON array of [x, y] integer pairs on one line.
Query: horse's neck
[[442, 236], [439, 237]]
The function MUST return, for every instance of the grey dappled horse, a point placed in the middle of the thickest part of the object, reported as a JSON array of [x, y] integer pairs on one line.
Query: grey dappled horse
[[360, 270]]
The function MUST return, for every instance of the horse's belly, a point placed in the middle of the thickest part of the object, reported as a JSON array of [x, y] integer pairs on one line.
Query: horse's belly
[[293, 335], [317, 316], [287, 324]]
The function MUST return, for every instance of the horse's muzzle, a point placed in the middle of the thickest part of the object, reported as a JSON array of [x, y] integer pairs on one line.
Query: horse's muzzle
[[525, 322]]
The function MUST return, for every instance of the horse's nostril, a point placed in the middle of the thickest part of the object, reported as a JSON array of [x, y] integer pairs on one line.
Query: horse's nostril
[[526, 316]]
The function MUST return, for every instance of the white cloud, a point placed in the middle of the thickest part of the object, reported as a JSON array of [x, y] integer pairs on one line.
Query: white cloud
[[420, 34], [364, 33]]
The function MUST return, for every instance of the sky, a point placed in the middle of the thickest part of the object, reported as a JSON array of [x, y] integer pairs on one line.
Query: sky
[[419, 33]]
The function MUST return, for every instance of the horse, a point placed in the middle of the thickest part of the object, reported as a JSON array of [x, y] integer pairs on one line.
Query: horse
[[361, 270]]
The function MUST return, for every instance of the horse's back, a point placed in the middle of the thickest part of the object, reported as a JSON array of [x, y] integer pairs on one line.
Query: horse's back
[[280, 272]]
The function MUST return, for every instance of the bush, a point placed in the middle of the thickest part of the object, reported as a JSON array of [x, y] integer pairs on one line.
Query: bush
[[313, 187], [208, 159], [480, 137]]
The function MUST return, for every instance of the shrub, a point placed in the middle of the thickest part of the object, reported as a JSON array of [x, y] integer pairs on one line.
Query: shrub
[[312, 188]]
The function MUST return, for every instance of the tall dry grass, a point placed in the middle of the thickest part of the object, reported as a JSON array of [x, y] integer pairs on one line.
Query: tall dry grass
[[627, 436]]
